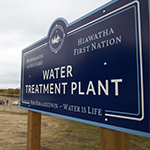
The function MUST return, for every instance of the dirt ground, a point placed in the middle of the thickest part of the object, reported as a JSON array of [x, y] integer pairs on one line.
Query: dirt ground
[[56, 133]]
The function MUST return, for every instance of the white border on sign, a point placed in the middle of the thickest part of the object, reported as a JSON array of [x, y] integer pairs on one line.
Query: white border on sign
[[140, 56], [132, 131], [112, 113]]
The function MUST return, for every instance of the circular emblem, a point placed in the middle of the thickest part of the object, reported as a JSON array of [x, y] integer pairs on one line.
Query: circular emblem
[[56, 38]]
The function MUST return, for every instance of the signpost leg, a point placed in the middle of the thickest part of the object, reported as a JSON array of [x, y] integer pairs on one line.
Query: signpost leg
[[113, 140], [34, 131]]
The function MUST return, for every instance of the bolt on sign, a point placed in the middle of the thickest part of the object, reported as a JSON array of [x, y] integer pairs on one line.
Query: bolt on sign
[[94, 70]]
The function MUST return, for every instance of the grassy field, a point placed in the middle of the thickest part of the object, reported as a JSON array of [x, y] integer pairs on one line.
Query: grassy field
[[56, 133]]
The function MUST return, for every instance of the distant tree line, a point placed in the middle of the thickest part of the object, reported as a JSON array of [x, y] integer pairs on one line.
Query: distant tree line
[[10, 91]]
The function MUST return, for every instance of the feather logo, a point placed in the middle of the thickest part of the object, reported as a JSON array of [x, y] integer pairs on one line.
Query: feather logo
[[56, 38]]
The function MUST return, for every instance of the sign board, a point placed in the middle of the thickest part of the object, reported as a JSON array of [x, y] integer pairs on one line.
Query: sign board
[[94, 70]]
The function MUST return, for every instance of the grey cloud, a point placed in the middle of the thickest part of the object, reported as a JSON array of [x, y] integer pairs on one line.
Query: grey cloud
[[24, 22]]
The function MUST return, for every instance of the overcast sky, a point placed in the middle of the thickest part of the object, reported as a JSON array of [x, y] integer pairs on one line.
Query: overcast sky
[[23, 22]]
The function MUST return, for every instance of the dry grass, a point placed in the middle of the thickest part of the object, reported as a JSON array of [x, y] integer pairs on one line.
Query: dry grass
[[56, 133]]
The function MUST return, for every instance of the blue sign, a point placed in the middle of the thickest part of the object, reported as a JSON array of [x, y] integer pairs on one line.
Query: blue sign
[[94, 70]]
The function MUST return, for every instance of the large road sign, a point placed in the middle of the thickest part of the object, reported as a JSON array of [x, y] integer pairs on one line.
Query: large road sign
[[94, 70]]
